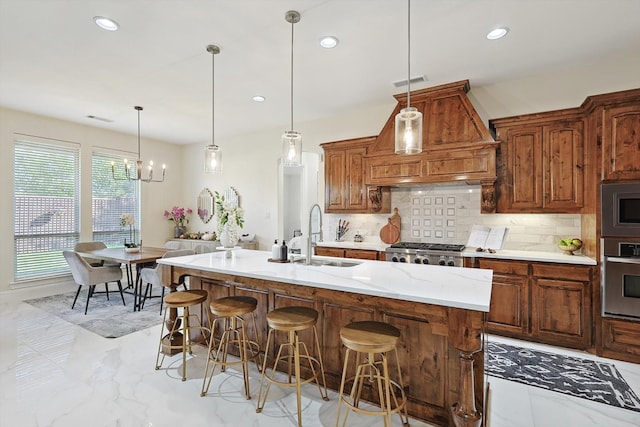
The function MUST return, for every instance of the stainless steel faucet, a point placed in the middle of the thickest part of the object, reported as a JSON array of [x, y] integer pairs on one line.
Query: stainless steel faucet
[[310, 241]]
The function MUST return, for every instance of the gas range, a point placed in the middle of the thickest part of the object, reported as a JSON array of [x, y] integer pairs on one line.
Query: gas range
[[426, 253]]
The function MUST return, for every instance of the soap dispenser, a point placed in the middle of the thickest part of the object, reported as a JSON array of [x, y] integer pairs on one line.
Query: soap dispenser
[[284, 251], [275, 251]]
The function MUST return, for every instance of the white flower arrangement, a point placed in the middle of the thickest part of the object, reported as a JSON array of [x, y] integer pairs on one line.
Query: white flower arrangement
[[227, 214], [127, 219]]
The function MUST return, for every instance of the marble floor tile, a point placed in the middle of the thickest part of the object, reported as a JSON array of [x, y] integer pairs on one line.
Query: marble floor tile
[[55, 374]]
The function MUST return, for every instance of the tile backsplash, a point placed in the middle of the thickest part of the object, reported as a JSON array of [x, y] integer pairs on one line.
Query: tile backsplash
[[445, 214]]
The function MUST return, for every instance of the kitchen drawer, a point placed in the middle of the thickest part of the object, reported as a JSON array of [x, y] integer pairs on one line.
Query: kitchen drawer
[[505, 267], [571, 272]]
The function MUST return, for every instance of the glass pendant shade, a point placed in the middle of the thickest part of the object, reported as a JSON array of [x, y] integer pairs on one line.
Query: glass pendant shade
[[292, 148], [408, 131], [212, 159]]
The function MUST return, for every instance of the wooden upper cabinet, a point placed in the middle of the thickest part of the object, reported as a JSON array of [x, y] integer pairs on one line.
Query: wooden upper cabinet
[[345, 188], [621, 143], [541, 163]]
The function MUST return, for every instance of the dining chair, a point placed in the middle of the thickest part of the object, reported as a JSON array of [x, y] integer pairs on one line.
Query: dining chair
[[84, 274], [172, 244], [153, 276], [92, 246]]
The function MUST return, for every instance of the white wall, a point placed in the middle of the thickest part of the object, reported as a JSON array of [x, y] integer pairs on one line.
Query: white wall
[[155, 197]]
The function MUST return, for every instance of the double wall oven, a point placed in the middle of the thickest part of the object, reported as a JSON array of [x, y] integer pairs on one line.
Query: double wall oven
[[620, 245]]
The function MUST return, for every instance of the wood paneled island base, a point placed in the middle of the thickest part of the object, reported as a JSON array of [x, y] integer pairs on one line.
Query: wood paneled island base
[[440, 350]]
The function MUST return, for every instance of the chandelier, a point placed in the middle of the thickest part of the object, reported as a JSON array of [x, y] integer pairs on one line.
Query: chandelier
[[137, 176], [408, 134]]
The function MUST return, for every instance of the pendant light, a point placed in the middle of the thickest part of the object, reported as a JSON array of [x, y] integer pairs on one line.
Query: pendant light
[[128, 176], [292, 140], [213, 153], [409, 120]]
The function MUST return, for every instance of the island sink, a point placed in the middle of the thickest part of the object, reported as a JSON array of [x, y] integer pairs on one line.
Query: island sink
[[319, 262]]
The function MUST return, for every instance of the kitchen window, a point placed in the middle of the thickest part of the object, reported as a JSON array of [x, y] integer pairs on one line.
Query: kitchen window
[[111, 199], [46, 205]]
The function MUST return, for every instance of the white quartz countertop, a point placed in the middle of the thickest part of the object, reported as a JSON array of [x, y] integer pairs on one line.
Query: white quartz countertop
[[557, 257], [466, 288]]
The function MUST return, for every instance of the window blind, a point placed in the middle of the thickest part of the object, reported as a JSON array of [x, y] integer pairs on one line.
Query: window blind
[[46, 205], [111, 198]]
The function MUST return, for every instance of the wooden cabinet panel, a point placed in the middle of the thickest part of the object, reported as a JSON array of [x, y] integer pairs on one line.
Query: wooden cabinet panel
[[356, 197], [335, 178], [509, 304], [563, 154], [361, 254], [621, 339], [560, 311], [541, 163], [524, 164], [344, 177], [335, 317], [325, 251], [509, 308], [348, 253], [621, 143]]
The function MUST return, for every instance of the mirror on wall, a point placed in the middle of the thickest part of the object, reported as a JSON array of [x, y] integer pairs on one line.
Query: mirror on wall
[[231, 196], [205, 205]]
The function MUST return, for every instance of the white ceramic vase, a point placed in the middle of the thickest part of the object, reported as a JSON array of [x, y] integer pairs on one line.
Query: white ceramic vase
[[229, 235]]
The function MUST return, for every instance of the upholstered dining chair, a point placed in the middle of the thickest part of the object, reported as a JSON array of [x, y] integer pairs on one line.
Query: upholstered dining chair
[[153, 276], [84, 274], [92, 246]]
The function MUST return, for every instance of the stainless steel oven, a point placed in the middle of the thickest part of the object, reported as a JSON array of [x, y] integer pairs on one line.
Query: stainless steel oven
[[621, 277], [620, 207]]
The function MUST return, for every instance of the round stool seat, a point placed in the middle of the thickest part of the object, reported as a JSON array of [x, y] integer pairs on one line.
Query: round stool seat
[[185, 298], [292, 318], [370, 336], [233, 306]]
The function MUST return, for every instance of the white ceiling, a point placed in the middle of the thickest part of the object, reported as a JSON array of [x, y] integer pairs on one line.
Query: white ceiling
[[55, 61]]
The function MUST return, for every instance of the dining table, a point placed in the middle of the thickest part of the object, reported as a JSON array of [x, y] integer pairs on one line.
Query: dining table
[[144, 256]]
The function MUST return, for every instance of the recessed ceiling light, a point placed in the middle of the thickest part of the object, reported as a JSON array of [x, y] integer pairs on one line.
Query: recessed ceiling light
[[497, 33], [106, 23], [328, 42], [258, 98]]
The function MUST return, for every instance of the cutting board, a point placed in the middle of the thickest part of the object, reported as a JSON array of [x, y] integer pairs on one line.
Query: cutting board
[[390, 233]]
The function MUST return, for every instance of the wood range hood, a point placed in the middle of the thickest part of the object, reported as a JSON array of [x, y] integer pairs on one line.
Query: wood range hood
[[456, 145]]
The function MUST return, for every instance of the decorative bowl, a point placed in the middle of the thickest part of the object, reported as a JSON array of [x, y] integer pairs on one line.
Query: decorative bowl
[[247, 237], [132, 250], [569, 249]]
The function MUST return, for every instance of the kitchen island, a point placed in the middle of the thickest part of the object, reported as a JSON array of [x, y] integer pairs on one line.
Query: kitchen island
[[440, 312]]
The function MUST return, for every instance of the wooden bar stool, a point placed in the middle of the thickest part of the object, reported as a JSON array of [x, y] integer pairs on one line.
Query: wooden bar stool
[[373, 340], [230, 312], [180, 329], [292, 320]]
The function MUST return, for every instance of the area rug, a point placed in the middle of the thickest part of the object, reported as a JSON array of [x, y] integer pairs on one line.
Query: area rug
[[587, 379], [107, 318]]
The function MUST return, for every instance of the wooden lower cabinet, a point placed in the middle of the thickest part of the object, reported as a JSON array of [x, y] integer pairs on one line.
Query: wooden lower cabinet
[[349, 253], [509, 297], [541, 302], [620, 339], [561, 305]]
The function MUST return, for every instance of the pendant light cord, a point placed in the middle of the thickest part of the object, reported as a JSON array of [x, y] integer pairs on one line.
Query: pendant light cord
[[292, 23], [138, 108], [213, 104], [408, 53]]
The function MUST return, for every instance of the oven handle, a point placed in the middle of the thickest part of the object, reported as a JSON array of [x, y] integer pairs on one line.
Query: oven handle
[[622, 260]]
